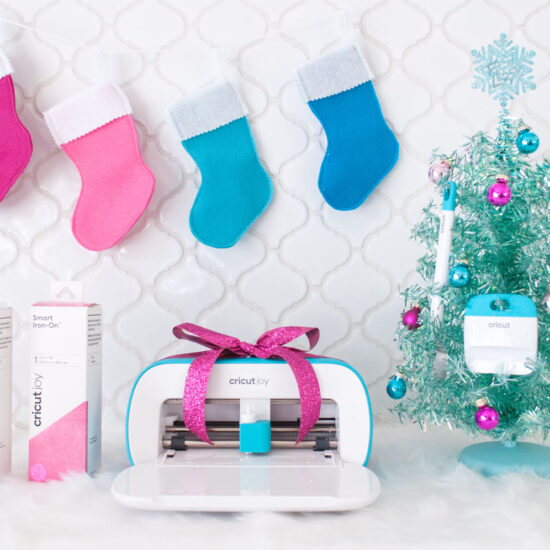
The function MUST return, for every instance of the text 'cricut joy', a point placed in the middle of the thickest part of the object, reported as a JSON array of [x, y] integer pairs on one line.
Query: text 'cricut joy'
[[253, 381], [36, 410]]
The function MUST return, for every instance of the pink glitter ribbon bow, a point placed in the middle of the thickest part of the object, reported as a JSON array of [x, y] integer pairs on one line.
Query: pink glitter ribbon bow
[[270, 345]]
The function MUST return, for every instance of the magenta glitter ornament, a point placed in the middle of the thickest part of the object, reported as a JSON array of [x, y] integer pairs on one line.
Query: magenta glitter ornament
[[38, 472], [499, 193], [439, 171], [487, 418], [410, 318]]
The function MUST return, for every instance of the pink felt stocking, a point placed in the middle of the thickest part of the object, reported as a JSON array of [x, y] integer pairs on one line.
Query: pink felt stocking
[[15, 141], [98, 134]]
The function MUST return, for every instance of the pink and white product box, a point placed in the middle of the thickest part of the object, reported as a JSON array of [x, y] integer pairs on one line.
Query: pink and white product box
[[5, 389], [65, 389]]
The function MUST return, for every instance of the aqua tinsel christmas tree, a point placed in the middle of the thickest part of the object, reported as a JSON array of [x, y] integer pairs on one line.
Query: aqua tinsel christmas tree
[[497, 248]]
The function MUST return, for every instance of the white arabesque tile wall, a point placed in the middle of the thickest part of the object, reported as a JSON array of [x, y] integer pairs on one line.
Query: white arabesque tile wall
[[302, 262]]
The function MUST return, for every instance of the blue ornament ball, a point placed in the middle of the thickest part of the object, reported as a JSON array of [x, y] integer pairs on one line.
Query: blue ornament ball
[[397, 387], [459, 276], [527, 142]]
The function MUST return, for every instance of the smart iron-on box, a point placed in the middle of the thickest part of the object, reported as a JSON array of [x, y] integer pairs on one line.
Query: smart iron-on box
[[252, 417]]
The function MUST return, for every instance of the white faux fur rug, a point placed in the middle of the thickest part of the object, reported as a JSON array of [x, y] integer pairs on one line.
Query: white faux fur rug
[[428, 501]]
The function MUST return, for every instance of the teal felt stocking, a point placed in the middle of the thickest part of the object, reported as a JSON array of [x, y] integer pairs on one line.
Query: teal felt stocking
[[235, 188]]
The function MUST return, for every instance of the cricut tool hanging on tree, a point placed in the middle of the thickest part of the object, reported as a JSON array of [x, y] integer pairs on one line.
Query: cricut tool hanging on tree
[[495, 321], [444, 243], [438, 173], [442, 261]]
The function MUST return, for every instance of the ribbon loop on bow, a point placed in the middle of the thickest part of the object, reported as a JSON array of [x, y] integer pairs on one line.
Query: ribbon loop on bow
[[271, 344]]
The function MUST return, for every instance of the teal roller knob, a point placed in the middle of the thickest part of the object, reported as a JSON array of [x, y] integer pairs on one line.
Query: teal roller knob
[[255, 437]]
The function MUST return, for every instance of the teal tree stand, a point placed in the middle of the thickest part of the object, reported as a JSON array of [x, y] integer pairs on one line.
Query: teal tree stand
[[494, 458]]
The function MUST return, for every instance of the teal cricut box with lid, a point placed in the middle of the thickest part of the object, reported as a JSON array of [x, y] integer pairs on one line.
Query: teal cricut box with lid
[[500, 334]]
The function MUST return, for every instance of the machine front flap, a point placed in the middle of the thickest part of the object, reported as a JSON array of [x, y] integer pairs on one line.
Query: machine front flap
[[225, 480]]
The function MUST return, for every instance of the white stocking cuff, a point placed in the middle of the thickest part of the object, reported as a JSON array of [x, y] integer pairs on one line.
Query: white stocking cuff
[[5, 65], [82, 113], [332, 74], [209, 109]]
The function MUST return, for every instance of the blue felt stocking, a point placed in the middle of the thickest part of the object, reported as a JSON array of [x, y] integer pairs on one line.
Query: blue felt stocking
[[361, 148]]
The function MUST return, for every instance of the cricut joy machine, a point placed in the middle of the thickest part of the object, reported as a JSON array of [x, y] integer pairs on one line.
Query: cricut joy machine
[[174, 470]]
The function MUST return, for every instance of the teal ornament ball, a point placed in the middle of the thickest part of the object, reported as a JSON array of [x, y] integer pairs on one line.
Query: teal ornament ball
[[527, 142], [459, 276], [397, 387]]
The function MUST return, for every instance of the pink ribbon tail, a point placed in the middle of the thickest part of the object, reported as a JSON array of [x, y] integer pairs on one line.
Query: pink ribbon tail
[[194, 394], [308, 388]]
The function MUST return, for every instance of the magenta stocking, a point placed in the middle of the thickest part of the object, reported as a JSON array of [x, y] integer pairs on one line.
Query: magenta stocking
[[15, 140]]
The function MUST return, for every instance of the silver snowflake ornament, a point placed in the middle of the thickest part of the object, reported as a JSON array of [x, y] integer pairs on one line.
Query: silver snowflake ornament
[[503, 70]]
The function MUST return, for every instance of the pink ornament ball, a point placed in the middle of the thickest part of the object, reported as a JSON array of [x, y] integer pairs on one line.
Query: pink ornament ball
[[487, 418], [411, 317], [38, 472], [439, 171], [499, 193]]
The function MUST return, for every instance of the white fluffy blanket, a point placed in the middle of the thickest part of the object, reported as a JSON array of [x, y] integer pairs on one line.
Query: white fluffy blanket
[[428, 501]]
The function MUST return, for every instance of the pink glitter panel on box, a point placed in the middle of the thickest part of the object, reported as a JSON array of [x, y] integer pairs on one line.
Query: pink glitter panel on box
[[60, 448]]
